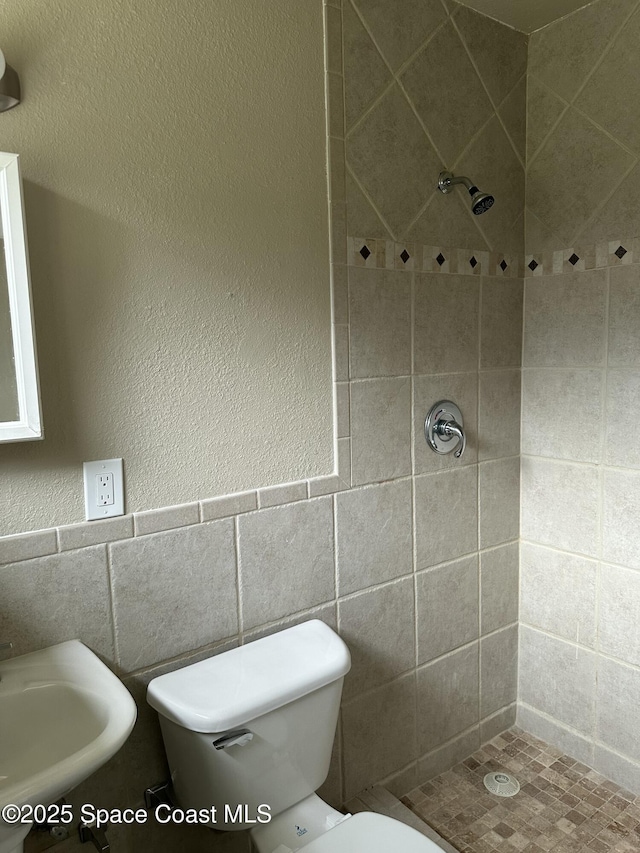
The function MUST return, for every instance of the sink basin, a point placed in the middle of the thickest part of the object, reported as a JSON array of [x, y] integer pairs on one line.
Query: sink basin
[[63, 714]]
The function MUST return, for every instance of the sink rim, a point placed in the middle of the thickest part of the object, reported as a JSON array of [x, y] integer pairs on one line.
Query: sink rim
[[72, 665]]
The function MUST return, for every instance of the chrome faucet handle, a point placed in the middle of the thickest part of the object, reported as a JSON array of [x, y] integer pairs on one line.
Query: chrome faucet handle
[[442, 424], [451, 428]]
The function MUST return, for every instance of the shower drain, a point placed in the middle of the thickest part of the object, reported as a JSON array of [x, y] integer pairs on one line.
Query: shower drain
[[501, 784]]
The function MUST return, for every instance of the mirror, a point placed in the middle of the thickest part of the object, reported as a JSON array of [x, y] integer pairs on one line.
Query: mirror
[[19, 393]]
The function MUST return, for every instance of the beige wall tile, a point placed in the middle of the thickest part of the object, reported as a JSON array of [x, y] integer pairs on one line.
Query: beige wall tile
[[577, 394], [513, 112], [393, 160], [380, 332], [380, 429], [95, 532], [167, 518], [558, 593], [460, 388], [283, 494], [618, 624], [498, 723], [333, 39], [446, 515], [41, 604], [26, 546], [499, 414], [544, 108], [612, 220], [617, 725], [447, 608], [624, 316], [400, 28], [335, 104], [563, 188], [622, 425], [501, 323], [379, 731], [499, 587], [573, 336], [615, 767], [362, 218], [556, 734], [498, 670], [499, 52], [379, 628], [447, 220], [446, 315], [444, 758], [447, 697], [495, 167], [562, 54], [465, 105], [560, 505], [325, 612], [499, 492], [604, 98], [621, 510], [228, 505], [373, 533], [173, 592], [558, 679], [365, 72], [285, 557]]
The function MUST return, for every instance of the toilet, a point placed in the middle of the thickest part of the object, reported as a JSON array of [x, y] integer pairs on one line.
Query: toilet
[[250, 733]]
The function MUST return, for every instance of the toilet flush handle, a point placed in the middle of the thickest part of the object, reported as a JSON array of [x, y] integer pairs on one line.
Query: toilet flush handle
[[238, 737]]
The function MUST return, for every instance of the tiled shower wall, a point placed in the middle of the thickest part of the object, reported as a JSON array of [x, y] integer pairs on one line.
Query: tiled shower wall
[[580, 584], [412, 557]]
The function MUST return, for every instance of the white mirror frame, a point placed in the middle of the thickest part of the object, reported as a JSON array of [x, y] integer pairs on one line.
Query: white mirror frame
[[29, 425]]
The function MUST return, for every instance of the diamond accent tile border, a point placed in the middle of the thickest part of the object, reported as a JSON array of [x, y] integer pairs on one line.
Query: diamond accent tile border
[[374, 253], [595, 256], [385, 254], [563, 806]]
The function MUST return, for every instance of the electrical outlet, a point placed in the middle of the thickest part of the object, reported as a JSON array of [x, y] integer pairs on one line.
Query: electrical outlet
[[103, 489]]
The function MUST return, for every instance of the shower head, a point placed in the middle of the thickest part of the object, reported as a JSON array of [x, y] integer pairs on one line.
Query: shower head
[[480, 202]]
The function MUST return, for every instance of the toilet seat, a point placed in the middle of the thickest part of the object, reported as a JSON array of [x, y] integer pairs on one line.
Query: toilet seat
[[368, 832]]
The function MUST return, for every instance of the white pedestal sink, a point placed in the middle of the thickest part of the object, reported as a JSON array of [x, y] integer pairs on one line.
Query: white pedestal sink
[[63, 714]]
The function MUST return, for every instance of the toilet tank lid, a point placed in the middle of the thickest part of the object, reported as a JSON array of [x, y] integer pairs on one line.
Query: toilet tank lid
[[235, 687]]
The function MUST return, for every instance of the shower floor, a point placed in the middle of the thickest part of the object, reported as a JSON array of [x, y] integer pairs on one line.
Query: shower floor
[[562, 806]]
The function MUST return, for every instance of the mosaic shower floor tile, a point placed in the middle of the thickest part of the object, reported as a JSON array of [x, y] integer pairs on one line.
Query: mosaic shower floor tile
[[562, 806]]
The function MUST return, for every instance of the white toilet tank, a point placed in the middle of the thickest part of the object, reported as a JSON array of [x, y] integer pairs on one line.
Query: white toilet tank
[[253, 726]]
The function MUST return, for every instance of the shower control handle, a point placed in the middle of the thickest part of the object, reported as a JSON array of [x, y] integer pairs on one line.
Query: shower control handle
[[443, 424], [449, 429]]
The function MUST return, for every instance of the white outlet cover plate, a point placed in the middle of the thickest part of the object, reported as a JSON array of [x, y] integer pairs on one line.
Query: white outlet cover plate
[[91, 471]]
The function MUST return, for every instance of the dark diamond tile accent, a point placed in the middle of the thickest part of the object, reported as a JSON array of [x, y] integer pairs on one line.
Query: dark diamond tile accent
[[503, 265], [364, 251], [405, 256], [573, 260], [533, 264], [441, 259], [473, 262], [620, 252]]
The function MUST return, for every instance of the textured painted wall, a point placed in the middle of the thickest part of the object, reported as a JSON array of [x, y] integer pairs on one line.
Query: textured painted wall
[[174, 164]]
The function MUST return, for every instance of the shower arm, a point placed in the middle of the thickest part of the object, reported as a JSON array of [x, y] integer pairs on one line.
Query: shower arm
[[448, 181]]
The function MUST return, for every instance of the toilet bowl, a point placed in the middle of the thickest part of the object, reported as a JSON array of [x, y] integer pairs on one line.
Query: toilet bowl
[[248, 736]]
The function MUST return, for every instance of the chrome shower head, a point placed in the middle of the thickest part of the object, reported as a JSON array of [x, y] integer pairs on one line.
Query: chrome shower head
[[480, 202]]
